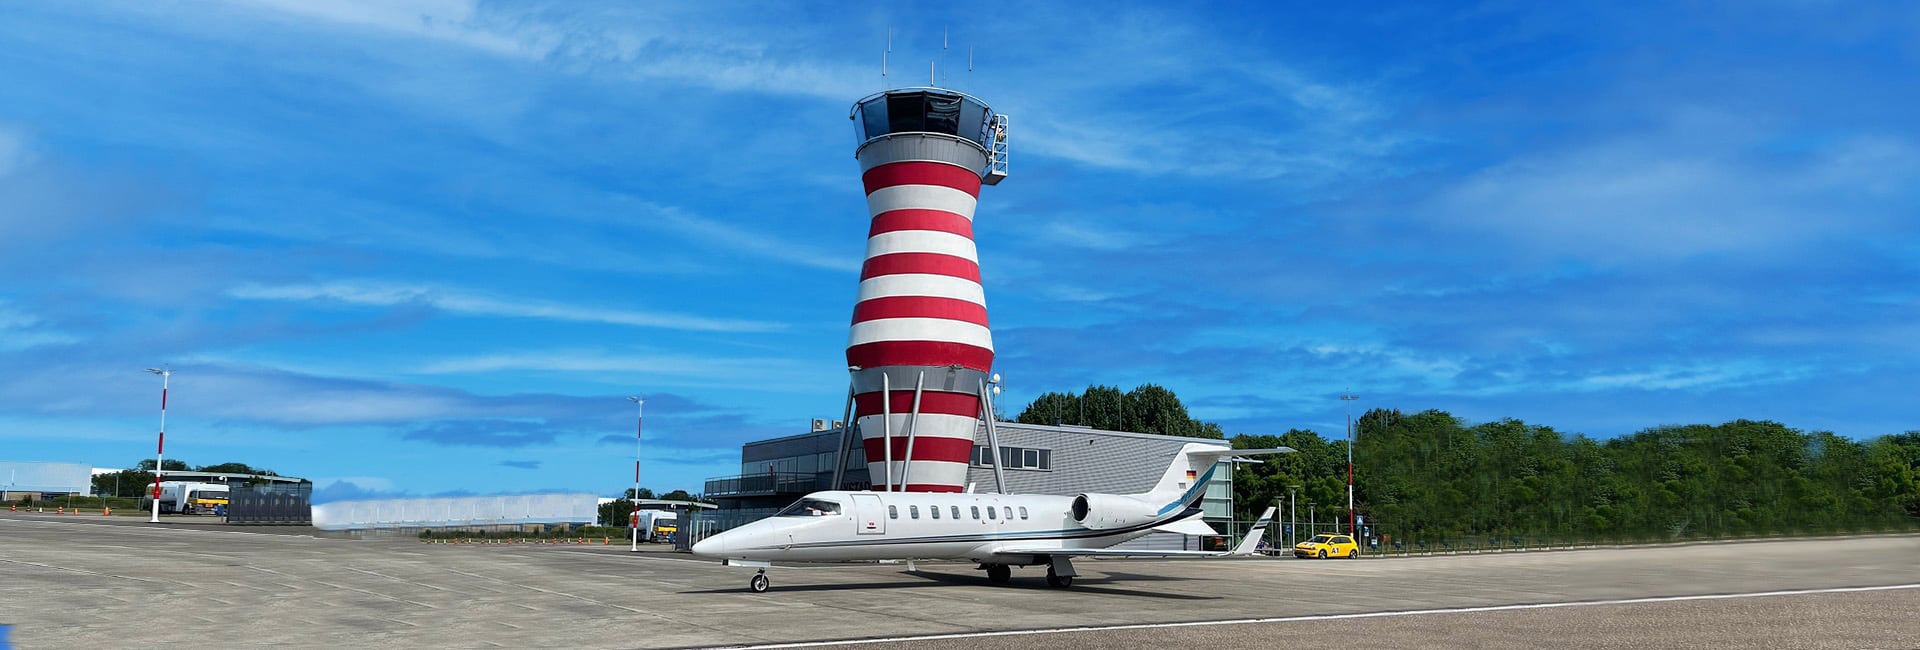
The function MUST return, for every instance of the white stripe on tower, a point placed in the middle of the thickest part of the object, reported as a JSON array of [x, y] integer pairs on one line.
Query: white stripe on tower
[[921, 197], [922, 241], [918, 284]]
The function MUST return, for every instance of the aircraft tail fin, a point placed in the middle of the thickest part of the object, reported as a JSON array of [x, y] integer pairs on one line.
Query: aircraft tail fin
[[1194, 465], [1252, 542]]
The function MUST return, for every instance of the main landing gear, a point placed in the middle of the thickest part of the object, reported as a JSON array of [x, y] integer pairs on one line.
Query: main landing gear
[[999, 574], [1060, 573], [759, 583], [1058, 581]]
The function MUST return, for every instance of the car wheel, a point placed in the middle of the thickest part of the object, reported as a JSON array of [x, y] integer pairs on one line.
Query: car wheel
[[1353, 554], [1323, 554]]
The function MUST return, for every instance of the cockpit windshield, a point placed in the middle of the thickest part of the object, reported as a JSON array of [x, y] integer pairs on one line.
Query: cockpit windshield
[[810, 508]]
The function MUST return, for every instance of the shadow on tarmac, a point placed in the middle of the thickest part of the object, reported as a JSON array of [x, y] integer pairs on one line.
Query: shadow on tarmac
[[1080, 584]]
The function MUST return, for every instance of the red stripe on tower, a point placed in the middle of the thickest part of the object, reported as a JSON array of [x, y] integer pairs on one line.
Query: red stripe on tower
[[919, 219], [952, 450], [920, 307], [931, 402], [921, 173], [929, 263], [920, 353]]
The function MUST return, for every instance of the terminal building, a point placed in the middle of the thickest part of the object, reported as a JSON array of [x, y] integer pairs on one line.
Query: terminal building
[[1036, 459]]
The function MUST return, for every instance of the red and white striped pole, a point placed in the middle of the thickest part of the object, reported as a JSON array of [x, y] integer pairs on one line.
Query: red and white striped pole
[[639, 424], [160, 450]]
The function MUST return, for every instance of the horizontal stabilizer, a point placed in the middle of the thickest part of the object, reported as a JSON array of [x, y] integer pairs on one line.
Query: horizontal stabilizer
[[1189, 526]]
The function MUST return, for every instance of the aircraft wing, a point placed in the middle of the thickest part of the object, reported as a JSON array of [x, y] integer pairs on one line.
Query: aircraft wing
[[1103, 552], [1246, 547]]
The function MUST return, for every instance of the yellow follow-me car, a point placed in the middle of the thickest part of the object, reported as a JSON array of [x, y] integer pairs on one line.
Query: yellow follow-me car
[[1326, 546]]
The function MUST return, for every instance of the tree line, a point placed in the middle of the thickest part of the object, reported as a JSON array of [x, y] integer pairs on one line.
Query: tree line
[[1430, 477], [138, 480]]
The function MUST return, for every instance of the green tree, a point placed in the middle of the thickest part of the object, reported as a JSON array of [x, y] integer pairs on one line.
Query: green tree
[[171, 465], [236, 468], [124, 483]]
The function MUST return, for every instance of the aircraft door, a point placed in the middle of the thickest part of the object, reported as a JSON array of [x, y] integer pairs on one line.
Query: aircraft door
[[869, 515]]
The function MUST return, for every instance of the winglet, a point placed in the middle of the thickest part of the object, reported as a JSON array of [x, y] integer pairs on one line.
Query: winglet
[[1252, 542]]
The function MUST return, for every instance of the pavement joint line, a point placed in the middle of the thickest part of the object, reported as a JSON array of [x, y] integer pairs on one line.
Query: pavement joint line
[[657, 615], [404, 580], [80, 571], [1326, 617]]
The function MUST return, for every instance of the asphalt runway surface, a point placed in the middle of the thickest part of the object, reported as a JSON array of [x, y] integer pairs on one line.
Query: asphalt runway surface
[[79, 581]]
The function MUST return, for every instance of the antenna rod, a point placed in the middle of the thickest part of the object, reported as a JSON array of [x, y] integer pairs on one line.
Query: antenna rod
[[930, 80]]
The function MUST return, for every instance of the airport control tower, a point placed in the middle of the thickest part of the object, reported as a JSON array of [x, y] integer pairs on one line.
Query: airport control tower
[[920, 352]]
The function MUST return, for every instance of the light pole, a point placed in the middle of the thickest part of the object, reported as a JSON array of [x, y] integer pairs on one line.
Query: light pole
[[160, 449], [1348, 397], [1313, 521], [639, 423], [1293, 503]]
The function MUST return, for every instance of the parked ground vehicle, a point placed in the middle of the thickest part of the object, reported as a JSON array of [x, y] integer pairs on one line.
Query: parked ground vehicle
[[1326, 546], [188, 497], [656, 525]]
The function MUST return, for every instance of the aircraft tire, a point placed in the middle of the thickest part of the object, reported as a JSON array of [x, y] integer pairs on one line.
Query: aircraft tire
[[759, 583], [1058, 581], [999, 574]]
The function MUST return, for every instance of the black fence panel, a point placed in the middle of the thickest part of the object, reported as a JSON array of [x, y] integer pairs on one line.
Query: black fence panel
[[271, 504]]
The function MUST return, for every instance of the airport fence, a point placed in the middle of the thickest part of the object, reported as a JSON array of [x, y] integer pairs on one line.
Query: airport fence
[[1384, 540]]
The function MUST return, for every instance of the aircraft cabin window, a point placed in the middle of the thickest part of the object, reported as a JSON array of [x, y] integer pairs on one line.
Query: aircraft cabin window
[[976, 512], [1023, 512], [990, 514], [893, 512], [934, 510], [956, 513], [810, 508], [913, 512]]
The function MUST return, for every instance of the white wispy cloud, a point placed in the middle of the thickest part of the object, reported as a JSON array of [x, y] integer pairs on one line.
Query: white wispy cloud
[[1698, 184], [745, 240], [458, 302], [768, 372], [20, 330]]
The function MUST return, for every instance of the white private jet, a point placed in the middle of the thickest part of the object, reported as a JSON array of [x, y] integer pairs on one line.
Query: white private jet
[[999, 531]]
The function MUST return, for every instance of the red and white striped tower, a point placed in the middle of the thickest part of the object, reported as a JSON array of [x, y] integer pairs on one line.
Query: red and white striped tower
[[920, 351]]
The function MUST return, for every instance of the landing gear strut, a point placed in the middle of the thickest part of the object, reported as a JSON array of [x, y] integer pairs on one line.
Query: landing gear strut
[[1060, 572], [759, 582]]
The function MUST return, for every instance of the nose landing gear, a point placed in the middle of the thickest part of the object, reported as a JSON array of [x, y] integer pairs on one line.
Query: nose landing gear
[[759, 583]]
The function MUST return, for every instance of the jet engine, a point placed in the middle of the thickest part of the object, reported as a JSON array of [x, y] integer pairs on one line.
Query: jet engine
[[1109, 511]]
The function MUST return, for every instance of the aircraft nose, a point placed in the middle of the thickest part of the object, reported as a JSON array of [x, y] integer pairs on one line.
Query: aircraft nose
[[711, 546]]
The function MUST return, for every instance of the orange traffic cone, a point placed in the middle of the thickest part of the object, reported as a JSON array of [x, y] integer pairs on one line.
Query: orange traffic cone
[[60, 510], [106, 511]]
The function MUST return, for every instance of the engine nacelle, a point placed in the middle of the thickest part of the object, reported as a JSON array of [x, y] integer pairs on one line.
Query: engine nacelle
[[1109, 511]]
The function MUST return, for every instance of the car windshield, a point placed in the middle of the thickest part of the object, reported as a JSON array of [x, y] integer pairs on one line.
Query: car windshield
[[810, 508], [1321, 539]]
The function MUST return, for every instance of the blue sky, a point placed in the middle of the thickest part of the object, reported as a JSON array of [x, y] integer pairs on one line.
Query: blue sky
[[427, 247]]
